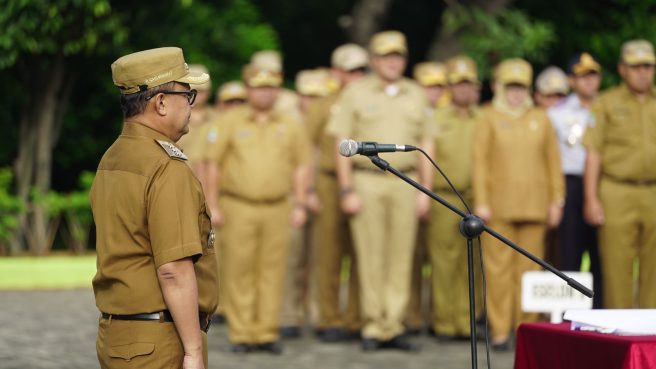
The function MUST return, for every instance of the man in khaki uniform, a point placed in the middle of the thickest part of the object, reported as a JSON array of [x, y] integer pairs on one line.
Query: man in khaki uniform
[[447, 247], [620, 180], [262, 157], [518, 190], [432, 77], [193, 142], [311, 84], [551, 87], [288, 101], [230, 94], [331, 237], [384, 107], [156, 283]]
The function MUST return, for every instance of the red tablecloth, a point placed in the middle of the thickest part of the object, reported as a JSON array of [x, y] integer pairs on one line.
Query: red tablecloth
[[555, 346]]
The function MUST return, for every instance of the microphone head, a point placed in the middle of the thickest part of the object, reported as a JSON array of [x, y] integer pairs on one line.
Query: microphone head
[[348, 148]]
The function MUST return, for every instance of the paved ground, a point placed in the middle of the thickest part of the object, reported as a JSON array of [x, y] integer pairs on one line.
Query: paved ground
[[57, 330]]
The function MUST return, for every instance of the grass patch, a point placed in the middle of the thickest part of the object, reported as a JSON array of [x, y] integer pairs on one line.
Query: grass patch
[[45, 273]]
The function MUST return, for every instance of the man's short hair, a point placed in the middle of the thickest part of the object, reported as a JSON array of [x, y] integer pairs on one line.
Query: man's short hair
[[135, 104]]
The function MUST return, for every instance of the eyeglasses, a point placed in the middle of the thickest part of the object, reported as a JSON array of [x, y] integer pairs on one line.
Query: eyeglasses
[[190, 95]]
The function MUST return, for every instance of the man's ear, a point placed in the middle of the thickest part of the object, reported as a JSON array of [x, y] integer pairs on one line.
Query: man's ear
[[159, 104]]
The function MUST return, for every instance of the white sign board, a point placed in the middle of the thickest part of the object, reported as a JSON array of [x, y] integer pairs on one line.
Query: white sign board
[[543, 292]]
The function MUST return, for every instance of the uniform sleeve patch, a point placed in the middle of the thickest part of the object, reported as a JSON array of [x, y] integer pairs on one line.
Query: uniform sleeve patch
[[172, 150]]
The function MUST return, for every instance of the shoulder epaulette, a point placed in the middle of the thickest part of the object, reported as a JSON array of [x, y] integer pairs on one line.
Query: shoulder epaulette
[[172, 150]]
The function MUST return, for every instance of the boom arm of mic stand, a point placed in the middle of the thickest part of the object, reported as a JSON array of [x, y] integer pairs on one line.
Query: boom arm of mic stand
[[385, 166]]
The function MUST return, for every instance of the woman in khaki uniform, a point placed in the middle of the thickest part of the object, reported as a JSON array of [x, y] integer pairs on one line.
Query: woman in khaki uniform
[[518, 190]]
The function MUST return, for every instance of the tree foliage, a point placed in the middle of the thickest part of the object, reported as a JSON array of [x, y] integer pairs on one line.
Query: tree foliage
[[491, 38]]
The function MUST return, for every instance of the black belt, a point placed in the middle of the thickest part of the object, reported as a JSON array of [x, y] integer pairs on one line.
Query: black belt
[[633, 182], [257, 202], [162, 316], [375, 169]]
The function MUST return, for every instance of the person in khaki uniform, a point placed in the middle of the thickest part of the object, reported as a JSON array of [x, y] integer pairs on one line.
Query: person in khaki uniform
[[156, 279], [332, 241], [193, 142], [383, 107], [432, 77], [620, 180], [287, 101], [230, 94], [551, 87], [518, 191], [311, 84], [448, 255], [262, 157]]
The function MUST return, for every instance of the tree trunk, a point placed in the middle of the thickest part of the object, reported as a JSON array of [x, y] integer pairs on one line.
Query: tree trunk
[[446, 44], [38, 135], [367, 18]]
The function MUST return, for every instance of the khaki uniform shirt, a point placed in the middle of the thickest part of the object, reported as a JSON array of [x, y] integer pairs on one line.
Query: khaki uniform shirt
[[453, 145], [365, 112], [257, 160], [316, 120], [149, 210], [623, 131], [517, 170], [288, 103]]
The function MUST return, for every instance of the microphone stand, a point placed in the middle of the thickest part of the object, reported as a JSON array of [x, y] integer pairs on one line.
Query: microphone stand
[[472, 227]]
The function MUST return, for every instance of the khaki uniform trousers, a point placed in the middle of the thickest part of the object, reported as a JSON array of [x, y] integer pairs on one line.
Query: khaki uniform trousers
[[256, 239], [295, 305], [140, 344], [416, 317], [384, 233], [629, 233], [448, 255], [504, 268], [332, 242]]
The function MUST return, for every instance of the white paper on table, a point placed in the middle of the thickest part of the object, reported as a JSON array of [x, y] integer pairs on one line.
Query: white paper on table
[[625, 322]]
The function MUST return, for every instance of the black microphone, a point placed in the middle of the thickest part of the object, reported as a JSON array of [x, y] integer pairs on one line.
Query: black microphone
[[349, 148]]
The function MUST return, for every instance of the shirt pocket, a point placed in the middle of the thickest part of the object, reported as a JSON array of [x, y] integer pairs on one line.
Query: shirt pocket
[[130, 351]]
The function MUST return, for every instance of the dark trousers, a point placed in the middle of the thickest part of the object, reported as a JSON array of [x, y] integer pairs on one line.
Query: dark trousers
[[576, 236]]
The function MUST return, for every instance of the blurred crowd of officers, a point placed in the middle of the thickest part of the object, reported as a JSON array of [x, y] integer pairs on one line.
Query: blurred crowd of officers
[[553, 166]]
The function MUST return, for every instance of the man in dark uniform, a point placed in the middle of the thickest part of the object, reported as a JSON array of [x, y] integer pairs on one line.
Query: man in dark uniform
[[156, 283]]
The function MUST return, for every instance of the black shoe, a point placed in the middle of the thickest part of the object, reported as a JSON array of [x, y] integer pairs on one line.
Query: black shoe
[[355, 335], [501, 346], [271, 347], [240, 348], [413, 331], [290, 332], [370, 344], [401, 343], [330, 335]]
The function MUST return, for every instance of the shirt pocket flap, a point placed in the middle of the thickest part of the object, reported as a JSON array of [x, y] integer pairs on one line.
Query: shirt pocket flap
[[132, 350]]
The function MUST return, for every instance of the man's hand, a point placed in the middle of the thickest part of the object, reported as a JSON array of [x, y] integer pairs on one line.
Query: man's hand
[[298, 217], [314, 204], [423, 206], [554, 215], [351, 204], [193, 360], [483, 212], [217, 217], [593, 212]]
